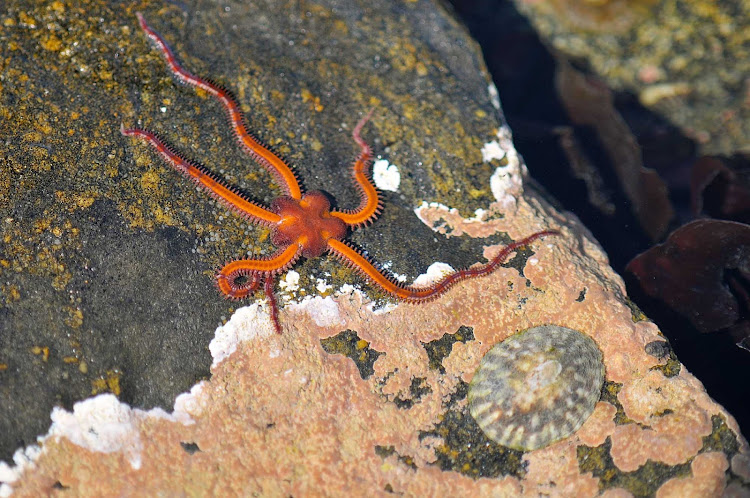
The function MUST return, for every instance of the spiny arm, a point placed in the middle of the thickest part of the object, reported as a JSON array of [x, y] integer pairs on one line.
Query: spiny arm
[[370, 203], [281, 172], [253, 269], [206, 180], [413, 294]]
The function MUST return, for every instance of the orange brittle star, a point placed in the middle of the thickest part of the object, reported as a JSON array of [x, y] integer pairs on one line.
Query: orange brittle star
[[302, 224]]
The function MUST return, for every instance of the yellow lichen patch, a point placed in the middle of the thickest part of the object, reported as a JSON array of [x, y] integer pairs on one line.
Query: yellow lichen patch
[[52, 43], [11, 293], [42, 162], [149, 217], [405, 58], [105, 74], [255, 91], [32, 136], [76, 200], [163, 217], [41, 350], [70, 359], [403, 55], [135, 216], [62, 279], [271, 122], [409, 111], [314, 101], [42, 124], [285, 150], [27, 20], [3, 366], [42, 224], [75, 318], [39, 259], [475, 193], [150, 182], [109, 382], [341, 26], [82, 201]]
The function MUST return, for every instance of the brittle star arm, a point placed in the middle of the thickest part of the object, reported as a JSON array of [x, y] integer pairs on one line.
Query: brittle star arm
[[253, 269], [281, 172], [409, 293], [230, 197], [370, 203]]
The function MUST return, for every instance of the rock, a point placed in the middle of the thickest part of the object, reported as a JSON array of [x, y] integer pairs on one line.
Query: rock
[[685, 60], [108, 256]]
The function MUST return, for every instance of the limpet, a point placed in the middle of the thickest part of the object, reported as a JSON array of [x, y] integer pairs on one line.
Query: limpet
[[536, 387]]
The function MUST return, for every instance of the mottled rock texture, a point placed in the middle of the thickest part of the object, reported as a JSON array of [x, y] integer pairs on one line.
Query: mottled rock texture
[[106, 260], [686, 60], [107, 256], [281, 415]]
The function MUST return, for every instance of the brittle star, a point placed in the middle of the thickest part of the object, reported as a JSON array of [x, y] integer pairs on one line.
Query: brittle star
[[302, 224]]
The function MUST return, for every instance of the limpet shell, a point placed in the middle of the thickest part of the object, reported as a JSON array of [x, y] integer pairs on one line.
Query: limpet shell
[[536, 387]]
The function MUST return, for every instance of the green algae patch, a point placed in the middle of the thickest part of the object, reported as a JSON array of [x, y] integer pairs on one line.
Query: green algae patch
[[635, 312], [386, 451], [721, 438], [610, 390], [465, 448], [417, 389], [643, 482], [439, 349], [347, 343]]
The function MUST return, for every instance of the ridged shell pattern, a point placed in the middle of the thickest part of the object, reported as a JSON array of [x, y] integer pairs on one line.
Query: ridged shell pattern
[[536, 387]]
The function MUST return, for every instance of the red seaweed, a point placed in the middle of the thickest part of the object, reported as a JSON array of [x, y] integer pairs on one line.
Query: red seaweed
[[702, 271]]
